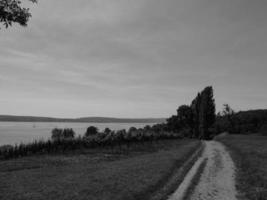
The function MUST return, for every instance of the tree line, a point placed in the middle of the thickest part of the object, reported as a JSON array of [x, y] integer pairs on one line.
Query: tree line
[[243, 122], [191, 121], [199, 119], [195, 120], [63, 140]]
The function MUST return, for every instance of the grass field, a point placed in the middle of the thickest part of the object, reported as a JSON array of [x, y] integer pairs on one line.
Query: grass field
[[250, 155], [96, 175]]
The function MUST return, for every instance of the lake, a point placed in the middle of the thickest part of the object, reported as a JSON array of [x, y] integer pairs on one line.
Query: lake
[[17, 132]]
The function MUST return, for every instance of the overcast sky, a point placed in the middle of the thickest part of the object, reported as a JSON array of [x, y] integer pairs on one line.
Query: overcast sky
[[133, 58]]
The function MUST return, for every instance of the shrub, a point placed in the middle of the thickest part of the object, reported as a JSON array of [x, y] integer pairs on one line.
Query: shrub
[[132, 131], [57, 134], [68, 133], [120, 135], [107, 131], [65, 140], [62, 134], [91, 130]]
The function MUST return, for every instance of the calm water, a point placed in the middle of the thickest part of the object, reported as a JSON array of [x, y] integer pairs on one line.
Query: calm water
[[16, 132]]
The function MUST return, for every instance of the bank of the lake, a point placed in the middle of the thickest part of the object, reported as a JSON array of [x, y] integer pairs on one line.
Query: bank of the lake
[[25, 132]]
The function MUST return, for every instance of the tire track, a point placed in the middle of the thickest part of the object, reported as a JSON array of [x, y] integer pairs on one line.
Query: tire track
[[217, 182]]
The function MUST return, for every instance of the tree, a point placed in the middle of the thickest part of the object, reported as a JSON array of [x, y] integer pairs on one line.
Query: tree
[[185, 116], [120, 135], [68, 133], [132, 130], [173, 123], [229, 113], [183, 120], [11, 11], [91, 130], [227, 110], [57, 134], [195, 106], [147, 128], [61, 134], [107, 131], [207, 111]]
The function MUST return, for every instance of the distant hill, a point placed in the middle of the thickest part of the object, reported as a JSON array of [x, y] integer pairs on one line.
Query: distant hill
[[260, 114], [12, 118], [251, 121]]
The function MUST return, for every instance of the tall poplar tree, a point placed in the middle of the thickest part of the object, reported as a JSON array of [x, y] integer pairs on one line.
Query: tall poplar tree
[[207, 113], [195, 106]]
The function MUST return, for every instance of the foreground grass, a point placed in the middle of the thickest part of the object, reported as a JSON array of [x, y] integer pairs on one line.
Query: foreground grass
[[250, 155], [94, 176]]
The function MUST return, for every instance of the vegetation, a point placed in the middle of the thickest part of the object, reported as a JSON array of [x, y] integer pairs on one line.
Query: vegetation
[[249, 153], [62, 134], [244, 122], [149, 155], [96, 173], [11, 11], [92, 130], [196, 120], [191, 121], [63, 140], [200, 121]]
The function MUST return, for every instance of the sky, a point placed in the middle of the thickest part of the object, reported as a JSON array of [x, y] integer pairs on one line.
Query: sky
[[133, 58]]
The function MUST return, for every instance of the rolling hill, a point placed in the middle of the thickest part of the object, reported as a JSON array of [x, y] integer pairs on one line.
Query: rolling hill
[[13, 118]]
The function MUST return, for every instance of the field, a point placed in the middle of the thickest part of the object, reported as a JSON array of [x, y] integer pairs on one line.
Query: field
[[96, 175], [250, 155]]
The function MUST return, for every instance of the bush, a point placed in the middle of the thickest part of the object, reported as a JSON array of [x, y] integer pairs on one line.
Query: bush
[[62, 134], [107, 131], [68, 133], [91, 130], [65, 140], [57, 134]]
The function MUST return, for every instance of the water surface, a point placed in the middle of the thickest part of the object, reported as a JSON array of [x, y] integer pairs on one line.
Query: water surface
[[17, 132]]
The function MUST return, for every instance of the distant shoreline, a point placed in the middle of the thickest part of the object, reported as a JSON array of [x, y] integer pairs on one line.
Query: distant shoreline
[[84, 122], [12, 118]]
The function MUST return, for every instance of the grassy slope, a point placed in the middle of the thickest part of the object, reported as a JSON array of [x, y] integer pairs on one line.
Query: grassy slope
[[250, 155], [93, 176]]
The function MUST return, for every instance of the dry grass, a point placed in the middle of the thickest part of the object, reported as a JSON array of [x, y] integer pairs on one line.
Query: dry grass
[[250, 155], [93, 176]]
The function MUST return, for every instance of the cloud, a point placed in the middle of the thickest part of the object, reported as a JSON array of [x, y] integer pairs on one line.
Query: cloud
[[133, 58]]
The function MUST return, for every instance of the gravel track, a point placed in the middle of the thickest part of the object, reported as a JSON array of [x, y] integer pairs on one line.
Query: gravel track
[[217, 181]]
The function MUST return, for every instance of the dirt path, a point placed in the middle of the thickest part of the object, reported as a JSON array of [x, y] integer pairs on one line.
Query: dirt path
[[217, 181]]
